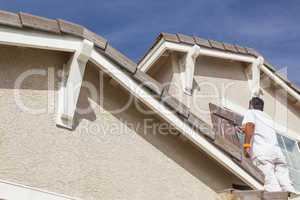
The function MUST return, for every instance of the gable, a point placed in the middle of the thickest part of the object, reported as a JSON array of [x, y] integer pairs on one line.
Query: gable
[[181, 43], [122, 70]]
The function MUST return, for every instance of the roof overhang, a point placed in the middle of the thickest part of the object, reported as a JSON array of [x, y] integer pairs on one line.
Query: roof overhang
[[42, 40], [162, 45]]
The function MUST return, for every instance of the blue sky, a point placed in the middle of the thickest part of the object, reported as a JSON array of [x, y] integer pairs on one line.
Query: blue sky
[[271, 27]]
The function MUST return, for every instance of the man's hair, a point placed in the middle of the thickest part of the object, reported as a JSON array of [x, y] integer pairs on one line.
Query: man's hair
[[257, 103]]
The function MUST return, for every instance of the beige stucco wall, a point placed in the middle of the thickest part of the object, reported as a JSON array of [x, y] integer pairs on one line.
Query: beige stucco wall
[[108, 155], [218, 79]]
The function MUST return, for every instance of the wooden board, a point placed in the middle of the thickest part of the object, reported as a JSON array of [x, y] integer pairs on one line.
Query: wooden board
[[225, 124], [226, 138]]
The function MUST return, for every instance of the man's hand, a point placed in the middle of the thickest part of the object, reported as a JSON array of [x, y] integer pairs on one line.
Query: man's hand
[[249, 131], [247, 152]]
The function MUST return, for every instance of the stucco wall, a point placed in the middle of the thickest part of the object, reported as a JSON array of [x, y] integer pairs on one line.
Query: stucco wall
[[218, 79], [109, 155], [281, 108]]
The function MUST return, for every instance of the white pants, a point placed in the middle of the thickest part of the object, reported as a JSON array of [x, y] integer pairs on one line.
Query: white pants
[[275, 168]]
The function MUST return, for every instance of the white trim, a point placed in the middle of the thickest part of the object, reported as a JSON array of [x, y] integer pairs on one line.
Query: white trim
[[145, 64], [162, 46], [190, 62], [61, 43], [14, 191], [134, 88], [70, 91], [34, 39], [255, 80], [280, 82], [152, 56]]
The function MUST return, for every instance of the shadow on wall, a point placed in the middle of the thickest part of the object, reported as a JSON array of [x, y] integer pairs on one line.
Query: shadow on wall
[[231, 70], [107, 99], [277, 98], [37, 71], [177, 148]]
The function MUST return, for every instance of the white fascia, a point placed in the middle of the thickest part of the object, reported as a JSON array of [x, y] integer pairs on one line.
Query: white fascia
[[40, 40], [134, 88], [162, 46], [209, 52], [11, 191], [70, 90], [153, 56], [280, 82]]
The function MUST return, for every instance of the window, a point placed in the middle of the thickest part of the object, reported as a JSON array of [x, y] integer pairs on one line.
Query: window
[[290, 149]]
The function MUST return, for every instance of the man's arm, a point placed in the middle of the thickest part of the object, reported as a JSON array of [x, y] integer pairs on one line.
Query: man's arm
[[249, 131]]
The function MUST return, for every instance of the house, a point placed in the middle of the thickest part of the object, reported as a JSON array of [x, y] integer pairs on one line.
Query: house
[[80, 120]]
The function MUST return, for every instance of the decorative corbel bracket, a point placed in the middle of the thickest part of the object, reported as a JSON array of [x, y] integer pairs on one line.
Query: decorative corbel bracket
[[255, 81], [190, 62], [70, 89]]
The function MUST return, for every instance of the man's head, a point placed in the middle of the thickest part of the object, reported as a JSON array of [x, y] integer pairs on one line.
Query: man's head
[[256, 103]]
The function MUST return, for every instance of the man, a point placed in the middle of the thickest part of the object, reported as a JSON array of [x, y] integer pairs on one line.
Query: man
[[262, 147]]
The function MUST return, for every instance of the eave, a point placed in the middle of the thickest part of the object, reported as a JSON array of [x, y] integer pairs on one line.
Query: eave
[[136, 82], [182, 43]]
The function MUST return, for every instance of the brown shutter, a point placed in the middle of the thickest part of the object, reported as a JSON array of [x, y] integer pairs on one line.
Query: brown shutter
[[225, 124], [226, 137]]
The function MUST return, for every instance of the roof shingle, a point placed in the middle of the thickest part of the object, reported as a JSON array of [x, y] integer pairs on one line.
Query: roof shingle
[[64, 27], [39, 23], [202, 42], [10, 19], [186, 39], [216, 45], [70, 28]]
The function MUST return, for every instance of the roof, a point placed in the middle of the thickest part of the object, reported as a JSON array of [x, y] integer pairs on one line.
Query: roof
[[217, 45], [26, 21], [62, 27]]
